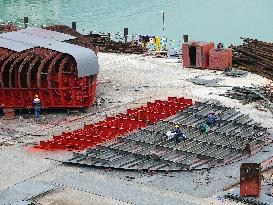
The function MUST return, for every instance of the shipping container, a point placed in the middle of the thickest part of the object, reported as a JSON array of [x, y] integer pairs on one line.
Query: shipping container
[[220, 58], [196, 54]]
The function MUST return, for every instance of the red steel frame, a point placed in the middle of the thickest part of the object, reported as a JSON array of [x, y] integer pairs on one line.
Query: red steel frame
[[111, 127], [50, 74]]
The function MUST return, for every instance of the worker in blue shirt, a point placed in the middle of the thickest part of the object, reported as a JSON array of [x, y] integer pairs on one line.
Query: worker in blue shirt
[[179, 134], [211, 119]]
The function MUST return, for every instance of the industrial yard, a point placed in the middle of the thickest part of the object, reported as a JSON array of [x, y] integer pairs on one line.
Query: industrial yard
[[91, 120], [125, 81]]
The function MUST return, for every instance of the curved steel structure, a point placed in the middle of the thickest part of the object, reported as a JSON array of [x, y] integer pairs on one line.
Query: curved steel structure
[[61, 79]]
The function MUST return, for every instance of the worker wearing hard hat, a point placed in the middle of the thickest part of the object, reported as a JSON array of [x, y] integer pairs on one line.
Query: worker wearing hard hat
[[211, 118], [179, 134], [204, 128], [37, 106]]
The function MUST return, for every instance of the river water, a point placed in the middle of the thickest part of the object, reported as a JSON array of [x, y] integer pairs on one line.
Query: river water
[[208, 20]]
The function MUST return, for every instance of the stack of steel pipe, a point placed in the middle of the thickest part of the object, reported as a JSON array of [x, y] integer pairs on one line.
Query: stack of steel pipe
[[254, 56], [111, 127]]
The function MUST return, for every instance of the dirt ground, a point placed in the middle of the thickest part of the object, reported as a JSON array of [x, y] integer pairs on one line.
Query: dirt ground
[[125, 81]]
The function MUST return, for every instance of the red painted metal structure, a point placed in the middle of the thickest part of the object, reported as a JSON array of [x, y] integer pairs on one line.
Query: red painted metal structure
[[250, 179], [111, 127], [196, 54], [50, 74], [220, 59]]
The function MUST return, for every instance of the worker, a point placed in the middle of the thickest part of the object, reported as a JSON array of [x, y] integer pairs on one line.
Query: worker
[[37, 106], [179, 134], [204, 128], [211, 119]]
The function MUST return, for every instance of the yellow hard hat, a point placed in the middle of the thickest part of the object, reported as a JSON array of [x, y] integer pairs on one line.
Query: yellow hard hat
[[36, 96], [177, 126]]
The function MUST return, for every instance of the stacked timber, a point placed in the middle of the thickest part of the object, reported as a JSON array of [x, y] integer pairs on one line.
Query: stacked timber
[[254, 56]]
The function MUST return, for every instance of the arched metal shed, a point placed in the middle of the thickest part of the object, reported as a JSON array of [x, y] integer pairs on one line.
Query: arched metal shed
[[38, 61]]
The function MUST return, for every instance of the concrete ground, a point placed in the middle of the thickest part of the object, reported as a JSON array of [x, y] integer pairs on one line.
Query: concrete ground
[[125, 81]]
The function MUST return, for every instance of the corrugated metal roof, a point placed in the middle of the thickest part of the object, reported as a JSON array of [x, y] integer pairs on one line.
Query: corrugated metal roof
[[15, 46], [87, 61], [44, 33]]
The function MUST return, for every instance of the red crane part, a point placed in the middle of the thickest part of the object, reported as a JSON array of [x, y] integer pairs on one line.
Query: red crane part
[[111, 127]]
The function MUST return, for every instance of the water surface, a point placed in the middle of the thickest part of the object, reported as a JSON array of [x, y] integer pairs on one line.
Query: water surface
[[208, 20]]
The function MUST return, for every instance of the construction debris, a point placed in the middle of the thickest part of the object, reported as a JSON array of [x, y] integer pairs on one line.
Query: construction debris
[[248, 95], [64, 29], [254, 56], [247, 200], [105, 44], [234, 136], [243, 94], [103, 41], [208, 83], [7, 28], [235, 72]]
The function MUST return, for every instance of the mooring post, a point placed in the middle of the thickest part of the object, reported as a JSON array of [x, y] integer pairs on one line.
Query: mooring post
[[186, 38], [25, 21], [108, 36], [74, 25], [125, 34]]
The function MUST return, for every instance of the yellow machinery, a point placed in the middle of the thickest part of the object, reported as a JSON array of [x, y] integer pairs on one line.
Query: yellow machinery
[[145, 39]]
